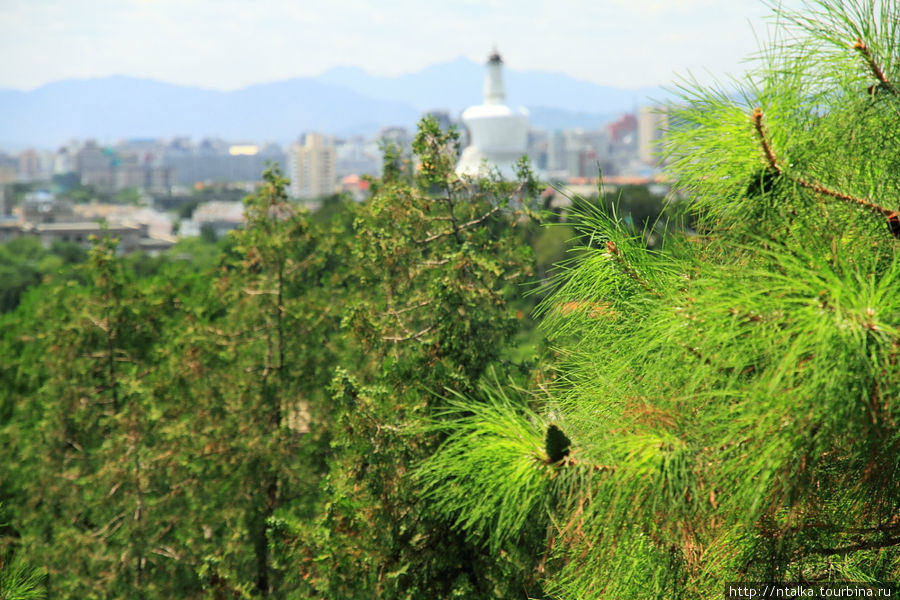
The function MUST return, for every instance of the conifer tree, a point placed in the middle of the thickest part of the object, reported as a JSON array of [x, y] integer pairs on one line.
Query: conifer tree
[[271, 369], [434, 264], [88, 452], [727, 407]]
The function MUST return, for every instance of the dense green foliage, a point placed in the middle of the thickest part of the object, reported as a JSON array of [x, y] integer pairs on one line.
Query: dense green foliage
[[731, 399], [354, 403], [432, 276], [238, 419], [24, 263]]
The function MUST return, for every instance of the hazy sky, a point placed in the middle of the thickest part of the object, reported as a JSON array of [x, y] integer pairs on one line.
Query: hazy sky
[[227, 44]]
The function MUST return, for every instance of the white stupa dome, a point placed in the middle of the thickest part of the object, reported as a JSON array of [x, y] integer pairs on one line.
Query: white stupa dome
[[498, 134]]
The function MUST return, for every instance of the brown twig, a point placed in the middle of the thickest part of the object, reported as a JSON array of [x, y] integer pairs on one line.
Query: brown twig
[[764, 140], [459, 229], [876, 69], [893, 217], [400, 311], [616, 255], [412, 336], [820, 189]]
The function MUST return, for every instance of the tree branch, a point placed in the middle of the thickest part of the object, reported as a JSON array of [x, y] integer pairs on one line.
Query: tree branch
[[893, 217], [412, 336], [842, 550], [876, 69], [461, 228], [616, 255], [395, 313], [260, 292], [764, 140]]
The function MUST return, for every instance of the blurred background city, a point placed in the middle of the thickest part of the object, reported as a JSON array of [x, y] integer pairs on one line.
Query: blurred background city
[[158, 116]]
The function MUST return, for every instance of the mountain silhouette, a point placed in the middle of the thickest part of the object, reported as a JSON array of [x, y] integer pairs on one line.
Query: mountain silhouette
[[341, 101]]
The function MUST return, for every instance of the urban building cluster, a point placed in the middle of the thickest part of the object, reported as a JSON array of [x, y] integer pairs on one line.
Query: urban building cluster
[[317, 163], [165, 173], [52, 219], [165, 167]]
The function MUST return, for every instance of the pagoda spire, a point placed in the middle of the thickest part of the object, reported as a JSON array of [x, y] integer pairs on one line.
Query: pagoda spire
[[494, 92]]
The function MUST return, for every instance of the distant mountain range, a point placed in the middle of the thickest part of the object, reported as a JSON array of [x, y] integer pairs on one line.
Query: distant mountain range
[[341, 101]]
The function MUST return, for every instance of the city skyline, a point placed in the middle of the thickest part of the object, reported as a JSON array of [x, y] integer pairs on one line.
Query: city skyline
[[228, 45]]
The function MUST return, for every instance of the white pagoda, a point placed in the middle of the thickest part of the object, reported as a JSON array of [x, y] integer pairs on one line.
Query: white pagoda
[[498, 134]]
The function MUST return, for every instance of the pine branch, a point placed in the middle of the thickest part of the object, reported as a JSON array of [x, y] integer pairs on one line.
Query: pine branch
[[764, 141], [893, 217], [844, 550], [876, 69], [832, 528], [616, 255]]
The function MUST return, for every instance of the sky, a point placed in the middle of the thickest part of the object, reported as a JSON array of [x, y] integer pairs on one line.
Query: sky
[[229, 44]]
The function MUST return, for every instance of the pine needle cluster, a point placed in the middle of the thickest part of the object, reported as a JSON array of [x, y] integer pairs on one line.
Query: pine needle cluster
[[730, 400]]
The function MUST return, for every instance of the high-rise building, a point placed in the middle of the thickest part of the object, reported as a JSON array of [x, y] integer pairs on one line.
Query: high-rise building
[[33, 166], [8, 166], [312, 167], [622, 127], [556, 153], [651, 123], [217, 161], [357, 156]]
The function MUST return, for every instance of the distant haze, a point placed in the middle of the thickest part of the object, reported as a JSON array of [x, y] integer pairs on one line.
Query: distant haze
[[341, 101], [230, 44]]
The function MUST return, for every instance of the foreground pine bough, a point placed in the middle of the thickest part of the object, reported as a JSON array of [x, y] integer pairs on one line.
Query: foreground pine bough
[[728, 404]]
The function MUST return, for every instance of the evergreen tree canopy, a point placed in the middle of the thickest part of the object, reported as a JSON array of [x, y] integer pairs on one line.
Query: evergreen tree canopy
[[728, 403], [430, 282]]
